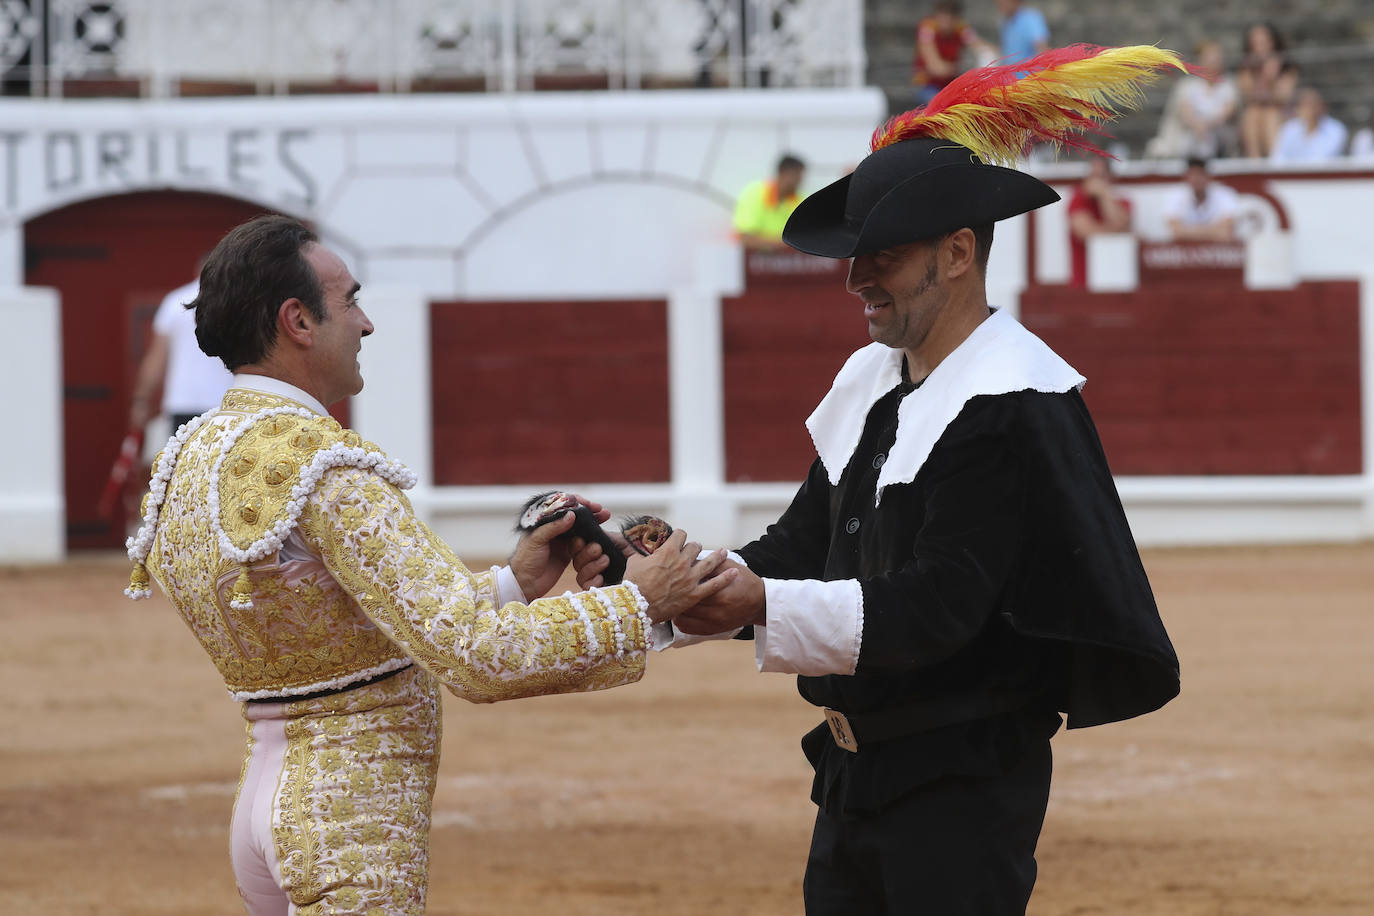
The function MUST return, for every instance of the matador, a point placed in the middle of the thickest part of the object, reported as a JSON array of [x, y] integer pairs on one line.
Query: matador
[[333, 613]]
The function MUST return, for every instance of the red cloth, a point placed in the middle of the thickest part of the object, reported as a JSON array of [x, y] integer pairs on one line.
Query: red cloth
[[1078, 248], [949, 45]]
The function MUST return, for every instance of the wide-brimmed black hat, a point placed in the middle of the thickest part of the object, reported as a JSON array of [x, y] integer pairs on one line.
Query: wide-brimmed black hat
[[917, 189]]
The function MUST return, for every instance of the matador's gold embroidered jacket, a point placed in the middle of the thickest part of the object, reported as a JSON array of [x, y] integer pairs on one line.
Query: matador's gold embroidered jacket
[[288, 547]]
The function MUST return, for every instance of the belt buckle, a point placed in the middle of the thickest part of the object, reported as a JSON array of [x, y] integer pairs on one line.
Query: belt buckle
[[840, 730]]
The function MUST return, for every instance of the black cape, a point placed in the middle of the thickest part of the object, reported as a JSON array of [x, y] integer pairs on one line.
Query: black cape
[[1005, 565]]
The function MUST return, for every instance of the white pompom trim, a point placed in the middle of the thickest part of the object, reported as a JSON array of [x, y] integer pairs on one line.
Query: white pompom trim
[[337, 455], [646, 623], [593, 644], [641, 611], [619, 631], [142, 542]]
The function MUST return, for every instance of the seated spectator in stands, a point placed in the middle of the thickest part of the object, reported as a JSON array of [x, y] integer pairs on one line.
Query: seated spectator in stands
[[1208, 106], [1094, 209], [1171, 139], [1267, 80], [1311, 135], [1202, 210], [1362, 144], [1024, 31], [1199, 117], [764, 206], [941, 39]]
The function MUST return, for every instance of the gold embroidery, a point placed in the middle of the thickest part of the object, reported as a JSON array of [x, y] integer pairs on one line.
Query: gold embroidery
[[354, 801], [367, 585], [247, 513], [243, 768], [307, 440], [278, 473], [423, 597], [244, 462], [303, 630], [241, 400], [274, 426], [250, 507]]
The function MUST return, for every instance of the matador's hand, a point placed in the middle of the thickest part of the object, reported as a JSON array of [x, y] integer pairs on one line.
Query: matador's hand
[[541, 554], [591, 561], [673, 580], [639, 535]]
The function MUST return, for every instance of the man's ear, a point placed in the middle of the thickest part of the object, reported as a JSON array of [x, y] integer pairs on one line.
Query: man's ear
[[295, 322], [959, 253]]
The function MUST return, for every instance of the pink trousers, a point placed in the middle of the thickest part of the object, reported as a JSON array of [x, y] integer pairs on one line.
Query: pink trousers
[[251, 846]]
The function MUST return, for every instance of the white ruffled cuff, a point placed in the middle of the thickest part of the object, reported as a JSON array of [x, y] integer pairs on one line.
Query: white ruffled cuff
[[814, 628]]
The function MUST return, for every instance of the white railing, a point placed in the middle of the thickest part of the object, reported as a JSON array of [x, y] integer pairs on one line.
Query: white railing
[[282, 46]]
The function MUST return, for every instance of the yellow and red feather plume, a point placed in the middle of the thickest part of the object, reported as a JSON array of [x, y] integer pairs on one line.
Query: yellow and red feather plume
[[1054, 97]]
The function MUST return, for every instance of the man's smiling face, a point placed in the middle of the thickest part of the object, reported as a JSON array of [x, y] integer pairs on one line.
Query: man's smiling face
[[901, 291]]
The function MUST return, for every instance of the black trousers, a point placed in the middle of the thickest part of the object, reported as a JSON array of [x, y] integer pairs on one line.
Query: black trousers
[[958, 846]]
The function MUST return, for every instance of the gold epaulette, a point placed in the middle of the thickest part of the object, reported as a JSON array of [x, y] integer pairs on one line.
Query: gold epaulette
[[259, 484]]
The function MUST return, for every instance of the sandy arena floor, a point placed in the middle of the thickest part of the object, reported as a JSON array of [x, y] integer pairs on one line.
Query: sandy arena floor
[[1251, 794]]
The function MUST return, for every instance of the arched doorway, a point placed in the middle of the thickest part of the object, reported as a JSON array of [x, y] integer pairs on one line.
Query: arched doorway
[[113, 259]]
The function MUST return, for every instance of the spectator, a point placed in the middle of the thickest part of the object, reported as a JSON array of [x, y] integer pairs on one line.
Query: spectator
[[764, 206], [1202, 210], [1267, 80], [1024, 32], [1208, 104], [1094, 209], [1198, 117], [1362, 144], [940, 42], [1311, 135], [1171, 141], [191, 382]]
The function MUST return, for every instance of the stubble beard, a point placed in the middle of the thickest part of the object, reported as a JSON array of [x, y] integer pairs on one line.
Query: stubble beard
[[899, 333]]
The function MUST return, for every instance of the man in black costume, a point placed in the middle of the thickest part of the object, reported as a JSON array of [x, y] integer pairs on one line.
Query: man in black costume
[[956, 570]]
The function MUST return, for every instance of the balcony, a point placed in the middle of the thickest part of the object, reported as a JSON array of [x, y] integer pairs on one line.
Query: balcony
[[167, 48]]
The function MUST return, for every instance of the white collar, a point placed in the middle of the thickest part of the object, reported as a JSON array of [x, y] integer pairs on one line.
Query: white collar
[[275, 386], [999, 357]]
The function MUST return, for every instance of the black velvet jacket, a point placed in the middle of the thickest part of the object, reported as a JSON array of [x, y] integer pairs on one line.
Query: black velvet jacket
[[1006, 565]]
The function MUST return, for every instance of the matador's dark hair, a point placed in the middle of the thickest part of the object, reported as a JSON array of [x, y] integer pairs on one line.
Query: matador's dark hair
[[245, 279]]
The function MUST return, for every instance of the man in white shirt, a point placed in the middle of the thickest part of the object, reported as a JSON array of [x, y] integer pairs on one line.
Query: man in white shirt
[[1311, 135], [1362, 144], [1198, 118], [191, 382], [1209, 103], [1202, 210]]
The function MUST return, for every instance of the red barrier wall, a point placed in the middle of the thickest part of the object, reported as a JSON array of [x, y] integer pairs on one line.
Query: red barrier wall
[[550, 391], [1214, 379], [1183, 380], [783, 339]]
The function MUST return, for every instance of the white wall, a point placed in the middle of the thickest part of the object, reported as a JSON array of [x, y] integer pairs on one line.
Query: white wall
[[548, 194], [558, 195], [32, 510], [551, 195]]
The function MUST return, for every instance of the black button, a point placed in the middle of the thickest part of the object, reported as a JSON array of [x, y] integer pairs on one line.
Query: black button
[[853, 525], [878, 460]]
